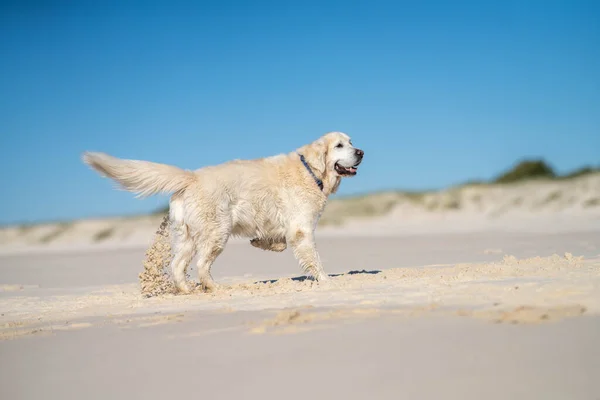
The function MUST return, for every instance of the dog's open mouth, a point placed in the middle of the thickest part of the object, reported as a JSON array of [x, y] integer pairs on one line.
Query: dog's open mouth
[[346, 171]]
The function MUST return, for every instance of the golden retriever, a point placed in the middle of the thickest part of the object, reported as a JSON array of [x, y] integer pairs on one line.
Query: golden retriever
[[273, 201]]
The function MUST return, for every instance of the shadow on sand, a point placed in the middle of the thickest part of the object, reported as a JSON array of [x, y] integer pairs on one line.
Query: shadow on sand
[[310, 278]]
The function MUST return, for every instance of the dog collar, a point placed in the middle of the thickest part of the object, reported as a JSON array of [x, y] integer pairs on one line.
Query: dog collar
[[310, 171]]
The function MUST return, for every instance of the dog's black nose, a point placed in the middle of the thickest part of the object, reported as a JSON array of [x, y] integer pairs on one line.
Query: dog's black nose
[[360, 153]]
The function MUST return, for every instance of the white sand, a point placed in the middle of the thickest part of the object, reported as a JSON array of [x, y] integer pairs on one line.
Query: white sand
[[452, 309]]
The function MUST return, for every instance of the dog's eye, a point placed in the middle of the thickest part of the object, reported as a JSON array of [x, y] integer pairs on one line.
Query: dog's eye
[[339, 145]]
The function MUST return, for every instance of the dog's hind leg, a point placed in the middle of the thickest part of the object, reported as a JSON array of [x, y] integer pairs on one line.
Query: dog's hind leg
[[211, 237], [183, 250], [210, 245], [182, 245], [208, 255]]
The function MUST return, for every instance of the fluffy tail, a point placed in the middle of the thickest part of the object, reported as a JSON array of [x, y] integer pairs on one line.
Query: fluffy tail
[[142, 177]]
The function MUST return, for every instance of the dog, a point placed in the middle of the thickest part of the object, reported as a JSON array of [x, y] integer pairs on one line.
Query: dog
[[273, 201]]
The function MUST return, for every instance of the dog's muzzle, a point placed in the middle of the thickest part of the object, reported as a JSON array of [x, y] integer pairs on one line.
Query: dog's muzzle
[[350, 171]]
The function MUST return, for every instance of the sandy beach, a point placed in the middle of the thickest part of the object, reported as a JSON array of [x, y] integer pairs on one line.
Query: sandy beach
[[449, 315], [485, 291]]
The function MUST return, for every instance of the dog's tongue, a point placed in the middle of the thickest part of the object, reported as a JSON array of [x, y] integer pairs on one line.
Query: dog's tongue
[[351, 169]]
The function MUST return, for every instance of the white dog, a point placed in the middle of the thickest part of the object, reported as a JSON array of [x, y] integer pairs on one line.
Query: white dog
[[273, 201]]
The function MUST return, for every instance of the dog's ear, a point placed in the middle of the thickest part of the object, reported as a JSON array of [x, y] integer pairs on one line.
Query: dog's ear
[[315, 154]]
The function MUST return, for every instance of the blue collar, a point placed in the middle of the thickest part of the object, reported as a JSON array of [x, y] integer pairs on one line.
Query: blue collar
[[317, 180]]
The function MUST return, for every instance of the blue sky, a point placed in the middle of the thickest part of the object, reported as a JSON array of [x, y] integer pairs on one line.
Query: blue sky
[[435, 92]]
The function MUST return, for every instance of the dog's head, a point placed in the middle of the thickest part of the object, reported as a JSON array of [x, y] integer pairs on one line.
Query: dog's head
[[333, 153]]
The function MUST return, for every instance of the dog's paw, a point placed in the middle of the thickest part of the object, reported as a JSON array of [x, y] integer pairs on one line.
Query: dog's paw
[[269, 245], [182, 288], [209, 286], [278, 246]]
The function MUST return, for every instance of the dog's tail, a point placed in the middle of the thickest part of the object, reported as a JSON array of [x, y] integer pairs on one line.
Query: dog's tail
[[142, 177]]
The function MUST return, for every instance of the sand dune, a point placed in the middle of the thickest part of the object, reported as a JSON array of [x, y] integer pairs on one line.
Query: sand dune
[[535, 206]]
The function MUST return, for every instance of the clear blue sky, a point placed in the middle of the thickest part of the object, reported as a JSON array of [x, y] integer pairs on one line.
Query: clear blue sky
[[435, 92]]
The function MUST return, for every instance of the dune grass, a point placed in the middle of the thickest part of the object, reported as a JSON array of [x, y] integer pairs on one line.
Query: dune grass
[[104, 234], [60, 229]]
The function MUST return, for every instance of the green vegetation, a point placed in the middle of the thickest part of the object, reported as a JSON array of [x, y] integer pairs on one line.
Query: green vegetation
[[161, 210], [554, 196], [526, 170], [26, 228], [54, 234], [580, 172], [104, 234], [595, 202], [539, 169]]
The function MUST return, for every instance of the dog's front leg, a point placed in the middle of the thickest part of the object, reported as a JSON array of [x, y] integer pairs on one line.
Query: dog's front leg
[[305, 251]]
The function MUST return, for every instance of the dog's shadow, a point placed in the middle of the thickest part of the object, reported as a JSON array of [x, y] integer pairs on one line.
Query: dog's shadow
[[310, 278]]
